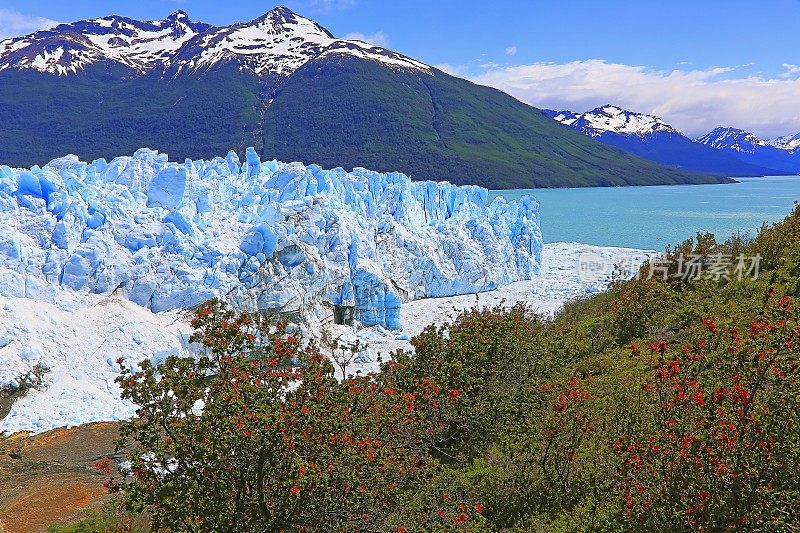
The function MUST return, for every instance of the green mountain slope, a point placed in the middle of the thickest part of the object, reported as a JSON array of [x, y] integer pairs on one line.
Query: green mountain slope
[[334, 111], [46, 116], [340, 111]]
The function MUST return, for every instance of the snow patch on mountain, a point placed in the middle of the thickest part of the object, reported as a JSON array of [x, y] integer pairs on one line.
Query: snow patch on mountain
[[565, 117], [610, 118], [69, 48], [787, 142], [734, 139], [277, 43]]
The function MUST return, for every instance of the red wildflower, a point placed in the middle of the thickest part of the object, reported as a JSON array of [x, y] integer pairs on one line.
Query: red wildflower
[[478, 507], [454, 393], [120, 360], [660, 346], [698, 398], [295, 490], [460, 518], [709, 323], [720, 393]]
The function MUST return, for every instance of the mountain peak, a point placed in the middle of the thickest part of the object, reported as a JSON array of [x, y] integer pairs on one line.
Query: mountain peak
[[177, 15], [611, 109], [276, 14], [787, 142], [735, 139], [610, 118], [282, 11], [276, 43]]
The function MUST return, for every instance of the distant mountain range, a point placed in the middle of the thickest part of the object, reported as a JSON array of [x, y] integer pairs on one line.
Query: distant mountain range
[[724, 151], [781, 154], [285, 85]]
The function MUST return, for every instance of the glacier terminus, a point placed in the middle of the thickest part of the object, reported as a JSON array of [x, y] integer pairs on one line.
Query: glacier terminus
[[283, 237]]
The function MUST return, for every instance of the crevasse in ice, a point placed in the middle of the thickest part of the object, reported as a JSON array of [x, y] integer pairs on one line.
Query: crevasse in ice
[[278, 236]]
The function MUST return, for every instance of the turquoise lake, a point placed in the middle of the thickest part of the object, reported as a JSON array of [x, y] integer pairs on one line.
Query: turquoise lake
[[652, 217]]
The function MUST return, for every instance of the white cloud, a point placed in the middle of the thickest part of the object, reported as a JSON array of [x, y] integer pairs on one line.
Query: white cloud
[[378, 38], [454, 70], [790, 70], [15, 24], [511, 51], [694, 101]]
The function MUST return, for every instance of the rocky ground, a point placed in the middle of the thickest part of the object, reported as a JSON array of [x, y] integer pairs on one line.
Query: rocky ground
[[50, 477]]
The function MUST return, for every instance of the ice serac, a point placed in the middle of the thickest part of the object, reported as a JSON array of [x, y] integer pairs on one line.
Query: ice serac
[[284, 237]]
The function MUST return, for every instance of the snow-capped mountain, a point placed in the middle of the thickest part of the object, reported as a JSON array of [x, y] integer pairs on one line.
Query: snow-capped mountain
[[277, 43], [284, 84], [787, 142], [650, 137], [610, 118], [70, 48], [748, 147], [732, 139]]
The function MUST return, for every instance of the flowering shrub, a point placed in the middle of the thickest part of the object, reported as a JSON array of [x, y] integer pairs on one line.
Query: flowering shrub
[[634, 304], [488, 362], [722, 452], [258, 435], [564, 433]]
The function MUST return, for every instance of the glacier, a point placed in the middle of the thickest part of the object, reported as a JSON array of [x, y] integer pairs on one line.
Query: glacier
[[283, 237], [99, 260]]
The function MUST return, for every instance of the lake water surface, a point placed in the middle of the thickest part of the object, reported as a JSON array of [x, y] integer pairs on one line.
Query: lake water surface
[[652, 217]]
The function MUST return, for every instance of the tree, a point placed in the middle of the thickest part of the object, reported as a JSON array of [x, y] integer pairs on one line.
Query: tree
[[258, 435]]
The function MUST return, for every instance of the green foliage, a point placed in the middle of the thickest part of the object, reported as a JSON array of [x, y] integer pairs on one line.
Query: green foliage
[[111, 517], [258, 435], [96, 116], [634, 306]]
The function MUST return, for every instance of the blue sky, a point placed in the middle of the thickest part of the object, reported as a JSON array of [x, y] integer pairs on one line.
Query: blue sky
[[677, 58]]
